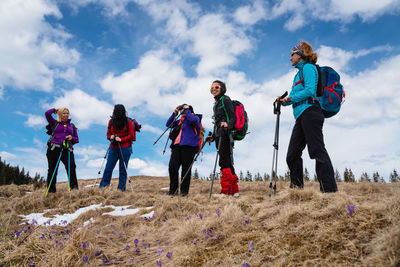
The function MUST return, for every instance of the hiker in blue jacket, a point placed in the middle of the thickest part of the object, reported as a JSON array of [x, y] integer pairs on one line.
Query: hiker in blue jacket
[[309, 121], [184, 146]]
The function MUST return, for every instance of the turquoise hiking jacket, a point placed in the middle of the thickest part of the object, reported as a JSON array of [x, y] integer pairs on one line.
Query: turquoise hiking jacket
[[302, 91]]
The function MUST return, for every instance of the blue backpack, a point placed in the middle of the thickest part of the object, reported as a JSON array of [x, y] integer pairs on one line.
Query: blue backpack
[[330, 91]]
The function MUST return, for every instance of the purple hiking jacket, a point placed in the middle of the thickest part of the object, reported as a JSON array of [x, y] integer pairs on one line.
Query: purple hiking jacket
[[61, 131], [189, 136]]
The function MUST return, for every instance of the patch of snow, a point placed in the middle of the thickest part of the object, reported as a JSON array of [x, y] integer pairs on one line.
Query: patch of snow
[[91, 185], [149, 215], [64, 219], [121, 211], [91, 220], [165, 188]]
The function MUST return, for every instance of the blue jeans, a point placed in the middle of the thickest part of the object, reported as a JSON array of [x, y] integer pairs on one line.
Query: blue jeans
[[113, 156]]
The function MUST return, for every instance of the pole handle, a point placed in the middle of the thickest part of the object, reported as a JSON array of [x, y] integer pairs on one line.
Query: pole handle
[[277, 103]]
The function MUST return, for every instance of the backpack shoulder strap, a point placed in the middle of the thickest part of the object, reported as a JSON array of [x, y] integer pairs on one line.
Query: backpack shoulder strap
[[53, 130], [223, 106]]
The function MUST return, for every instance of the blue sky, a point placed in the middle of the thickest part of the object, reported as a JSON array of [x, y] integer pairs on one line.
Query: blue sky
[[152, 55]]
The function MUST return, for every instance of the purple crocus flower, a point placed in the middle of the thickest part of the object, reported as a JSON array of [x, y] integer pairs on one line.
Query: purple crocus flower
[[250, 246], [262, 225], [105, 260], [217, 237], [84, 245], [119, 236], [218, 212], [187, 217], [85, 259], [42, 236], [131, 260], [136, 242], [17, 233], [350, 208], [159, 251], [127, 247], [32, 265], [247, 221], [195, 243], [98, 253], [169, 255], [246, 265], [159, 263], [137, 251], [201, 216]]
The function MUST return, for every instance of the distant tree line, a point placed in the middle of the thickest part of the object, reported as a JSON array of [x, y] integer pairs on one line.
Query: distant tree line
[[15, 175], [348, 176]]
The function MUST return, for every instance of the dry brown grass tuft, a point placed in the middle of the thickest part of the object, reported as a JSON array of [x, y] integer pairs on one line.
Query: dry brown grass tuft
[[295, 227]]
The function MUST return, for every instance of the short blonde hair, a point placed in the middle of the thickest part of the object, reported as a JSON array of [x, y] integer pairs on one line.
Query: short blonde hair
[[60, 111]]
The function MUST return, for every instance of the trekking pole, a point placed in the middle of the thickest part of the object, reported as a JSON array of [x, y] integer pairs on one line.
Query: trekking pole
[[126, 169], [101, 167], [191, 165], [69, 171], [215, 165], [55, 169], [169, 126], [277, 110], [166, 143]]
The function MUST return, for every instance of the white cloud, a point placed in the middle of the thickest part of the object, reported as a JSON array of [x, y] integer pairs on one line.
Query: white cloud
[[86, 152], [110, 7], [4, 155], [1, 92], [251, 14], [154, 82], [339, 59], [84, 109], [35, 121], [300, 12], [151, 129], [33, 51]]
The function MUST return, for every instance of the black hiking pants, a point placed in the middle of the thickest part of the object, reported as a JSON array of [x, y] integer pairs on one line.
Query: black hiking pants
[[308, 131], [181, 155], [52, 158], [225, 152]]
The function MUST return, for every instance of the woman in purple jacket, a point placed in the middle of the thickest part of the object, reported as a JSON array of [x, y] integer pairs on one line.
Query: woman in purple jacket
[[64, 136], [185, 145]]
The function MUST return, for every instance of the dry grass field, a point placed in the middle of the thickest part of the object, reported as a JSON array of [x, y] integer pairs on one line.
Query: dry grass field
[[294, 228]]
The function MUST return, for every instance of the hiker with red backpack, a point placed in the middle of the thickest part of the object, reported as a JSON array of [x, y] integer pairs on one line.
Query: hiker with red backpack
[[224, 125], [185, 135], [121, 133], [309, 121], [63, 135]]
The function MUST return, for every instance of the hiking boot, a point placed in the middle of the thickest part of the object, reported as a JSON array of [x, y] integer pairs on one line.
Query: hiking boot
[[219, 195], [236, 195]]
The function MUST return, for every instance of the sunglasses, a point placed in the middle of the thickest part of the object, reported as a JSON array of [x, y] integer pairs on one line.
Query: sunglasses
[[215, 87]]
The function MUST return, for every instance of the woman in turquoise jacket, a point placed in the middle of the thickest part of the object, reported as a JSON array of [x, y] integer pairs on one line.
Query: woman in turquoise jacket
[[309, 121]]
